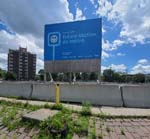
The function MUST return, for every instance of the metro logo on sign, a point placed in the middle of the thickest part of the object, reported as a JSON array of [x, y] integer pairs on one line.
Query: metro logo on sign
[[54, 39]]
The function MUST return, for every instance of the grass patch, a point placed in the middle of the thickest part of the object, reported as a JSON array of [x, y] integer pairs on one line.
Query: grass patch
[[57, 123], [86, 109], [9, 118], [20, 105], [57, 107], [81, 125], [78, 123], [122, 131], [107, 129], [47, 106], [93, 133], [100, 136]]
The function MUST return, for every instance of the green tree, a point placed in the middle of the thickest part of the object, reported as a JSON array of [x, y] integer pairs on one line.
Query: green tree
[[60, 76], [68, 77], [37, 77], [1, 75], [128, 78], [41, 74], [123, 78], [108, 75], [10, 76], [85, 76], [48, 77], [54, 76], [93, 76], [139, 78], [78, 76], [119, 77], [41, 71], [147, 78]]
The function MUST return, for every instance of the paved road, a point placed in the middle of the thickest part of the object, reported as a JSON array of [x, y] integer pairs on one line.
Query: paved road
[[125, 128], [109, 129]]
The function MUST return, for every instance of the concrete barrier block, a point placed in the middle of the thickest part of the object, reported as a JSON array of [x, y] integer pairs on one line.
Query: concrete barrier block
[[96, 94], [15, 89], [43, 91], [136, 96]]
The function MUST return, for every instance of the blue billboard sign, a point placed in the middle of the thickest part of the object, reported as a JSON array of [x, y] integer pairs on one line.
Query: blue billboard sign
[[73, 40]]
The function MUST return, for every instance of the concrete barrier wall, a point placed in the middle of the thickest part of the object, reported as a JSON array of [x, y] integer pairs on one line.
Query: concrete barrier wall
[[43, 91], [15, 89], [136, 96], [96, 94], [106, 95]]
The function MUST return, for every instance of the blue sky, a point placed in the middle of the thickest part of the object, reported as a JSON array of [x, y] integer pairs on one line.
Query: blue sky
[[126, 28]]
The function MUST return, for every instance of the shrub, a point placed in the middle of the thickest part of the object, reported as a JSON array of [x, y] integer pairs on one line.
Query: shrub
[[57, 107], [86, 109], [81, 126]]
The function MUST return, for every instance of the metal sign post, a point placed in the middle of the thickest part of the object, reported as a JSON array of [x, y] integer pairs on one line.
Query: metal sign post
[[53, 52], [70, 77], [51, 78], [74, 77], [44, 76]]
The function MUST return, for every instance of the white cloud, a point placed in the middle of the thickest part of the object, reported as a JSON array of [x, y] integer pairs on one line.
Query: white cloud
[[3, 56], [14, 41], [117, 68], [79, 15], [92, 2], [5, 39], [106, 45], [67, 16], [103, 30], [40, 64], [117, 43], [3, 66], [27, 22], [25, 18], [103, 68], [104, 7], [120, 54], [142, 66], [139, 68], [143, 61], [3, 60], [135, 18], [105, 55]]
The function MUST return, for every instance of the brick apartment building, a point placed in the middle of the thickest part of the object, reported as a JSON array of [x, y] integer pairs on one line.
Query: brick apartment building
[[22, 63]]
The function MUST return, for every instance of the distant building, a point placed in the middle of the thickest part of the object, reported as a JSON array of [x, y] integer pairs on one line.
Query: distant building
[[22, 63]]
